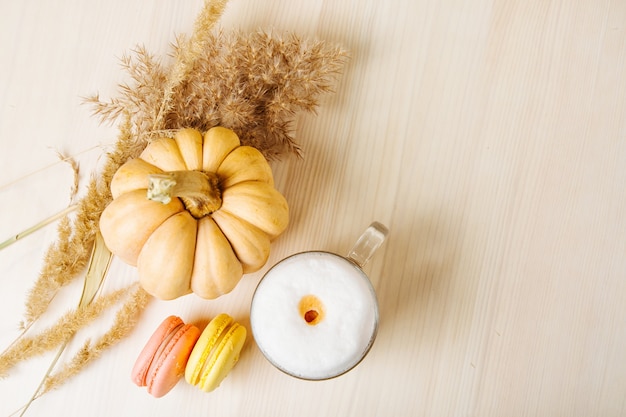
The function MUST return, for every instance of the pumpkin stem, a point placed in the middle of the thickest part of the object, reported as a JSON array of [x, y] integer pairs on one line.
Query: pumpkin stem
[[198, 190]]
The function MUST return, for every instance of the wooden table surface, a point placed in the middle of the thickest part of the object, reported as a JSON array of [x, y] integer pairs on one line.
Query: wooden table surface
[[488, 135]]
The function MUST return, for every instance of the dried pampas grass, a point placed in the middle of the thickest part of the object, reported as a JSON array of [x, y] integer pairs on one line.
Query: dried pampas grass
[[67, 325], [254, 84], [125, 320]]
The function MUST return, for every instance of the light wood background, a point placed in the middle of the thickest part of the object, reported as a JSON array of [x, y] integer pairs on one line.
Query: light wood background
[[488, 135]]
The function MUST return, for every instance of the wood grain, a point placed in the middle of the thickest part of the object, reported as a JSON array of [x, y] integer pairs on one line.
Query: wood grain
[[489, 136]]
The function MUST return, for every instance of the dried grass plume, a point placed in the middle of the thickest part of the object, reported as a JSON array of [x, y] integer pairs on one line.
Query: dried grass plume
[[254, 84]]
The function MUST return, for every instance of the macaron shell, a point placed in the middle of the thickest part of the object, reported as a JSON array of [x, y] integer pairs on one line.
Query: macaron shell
[[215, 353], [207, 341], [140, 369], [162, 362], [224, 358], [169, 367]]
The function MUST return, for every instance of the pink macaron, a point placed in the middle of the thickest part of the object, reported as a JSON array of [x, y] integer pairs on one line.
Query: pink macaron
[[162, 361]]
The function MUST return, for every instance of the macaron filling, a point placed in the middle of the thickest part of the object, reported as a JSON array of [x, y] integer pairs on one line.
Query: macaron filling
[[215, 354], [161, 354], [209, 339]]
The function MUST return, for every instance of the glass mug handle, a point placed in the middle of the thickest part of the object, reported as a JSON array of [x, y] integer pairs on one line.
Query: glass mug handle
[[368, 243]]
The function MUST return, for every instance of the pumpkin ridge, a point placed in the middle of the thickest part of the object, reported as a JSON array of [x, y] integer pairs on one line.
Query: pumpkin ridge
[[216, 270], [165, 154], [258, 203], [119, 226], [189, 142], [173, 278]]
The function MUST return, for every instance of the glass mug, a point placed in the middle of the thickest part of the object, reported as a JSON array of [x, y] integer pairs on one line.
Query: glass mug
[[314, 315]]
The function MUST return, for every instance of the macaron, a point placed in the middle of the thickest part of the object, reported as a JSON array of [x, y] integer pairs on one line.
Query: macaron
[[161, 363], [216, 353]]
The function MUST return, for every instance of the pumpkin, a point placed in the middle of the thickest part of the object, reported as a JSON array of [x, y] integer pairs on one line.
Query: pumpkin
[[194, 213]]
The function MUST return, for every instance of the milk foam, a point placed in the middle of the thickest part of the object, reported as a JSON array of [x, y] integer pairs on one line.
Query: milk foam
[[339, 340]]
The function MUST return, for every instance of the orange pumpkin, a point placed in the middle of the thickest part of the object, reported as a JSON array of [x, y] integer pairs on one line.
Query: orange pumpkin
[[194, 213]]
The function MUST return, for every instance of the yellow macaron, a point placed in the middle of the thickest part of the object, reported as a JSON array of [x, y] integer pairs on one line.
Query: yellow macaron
[[215, 353]]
